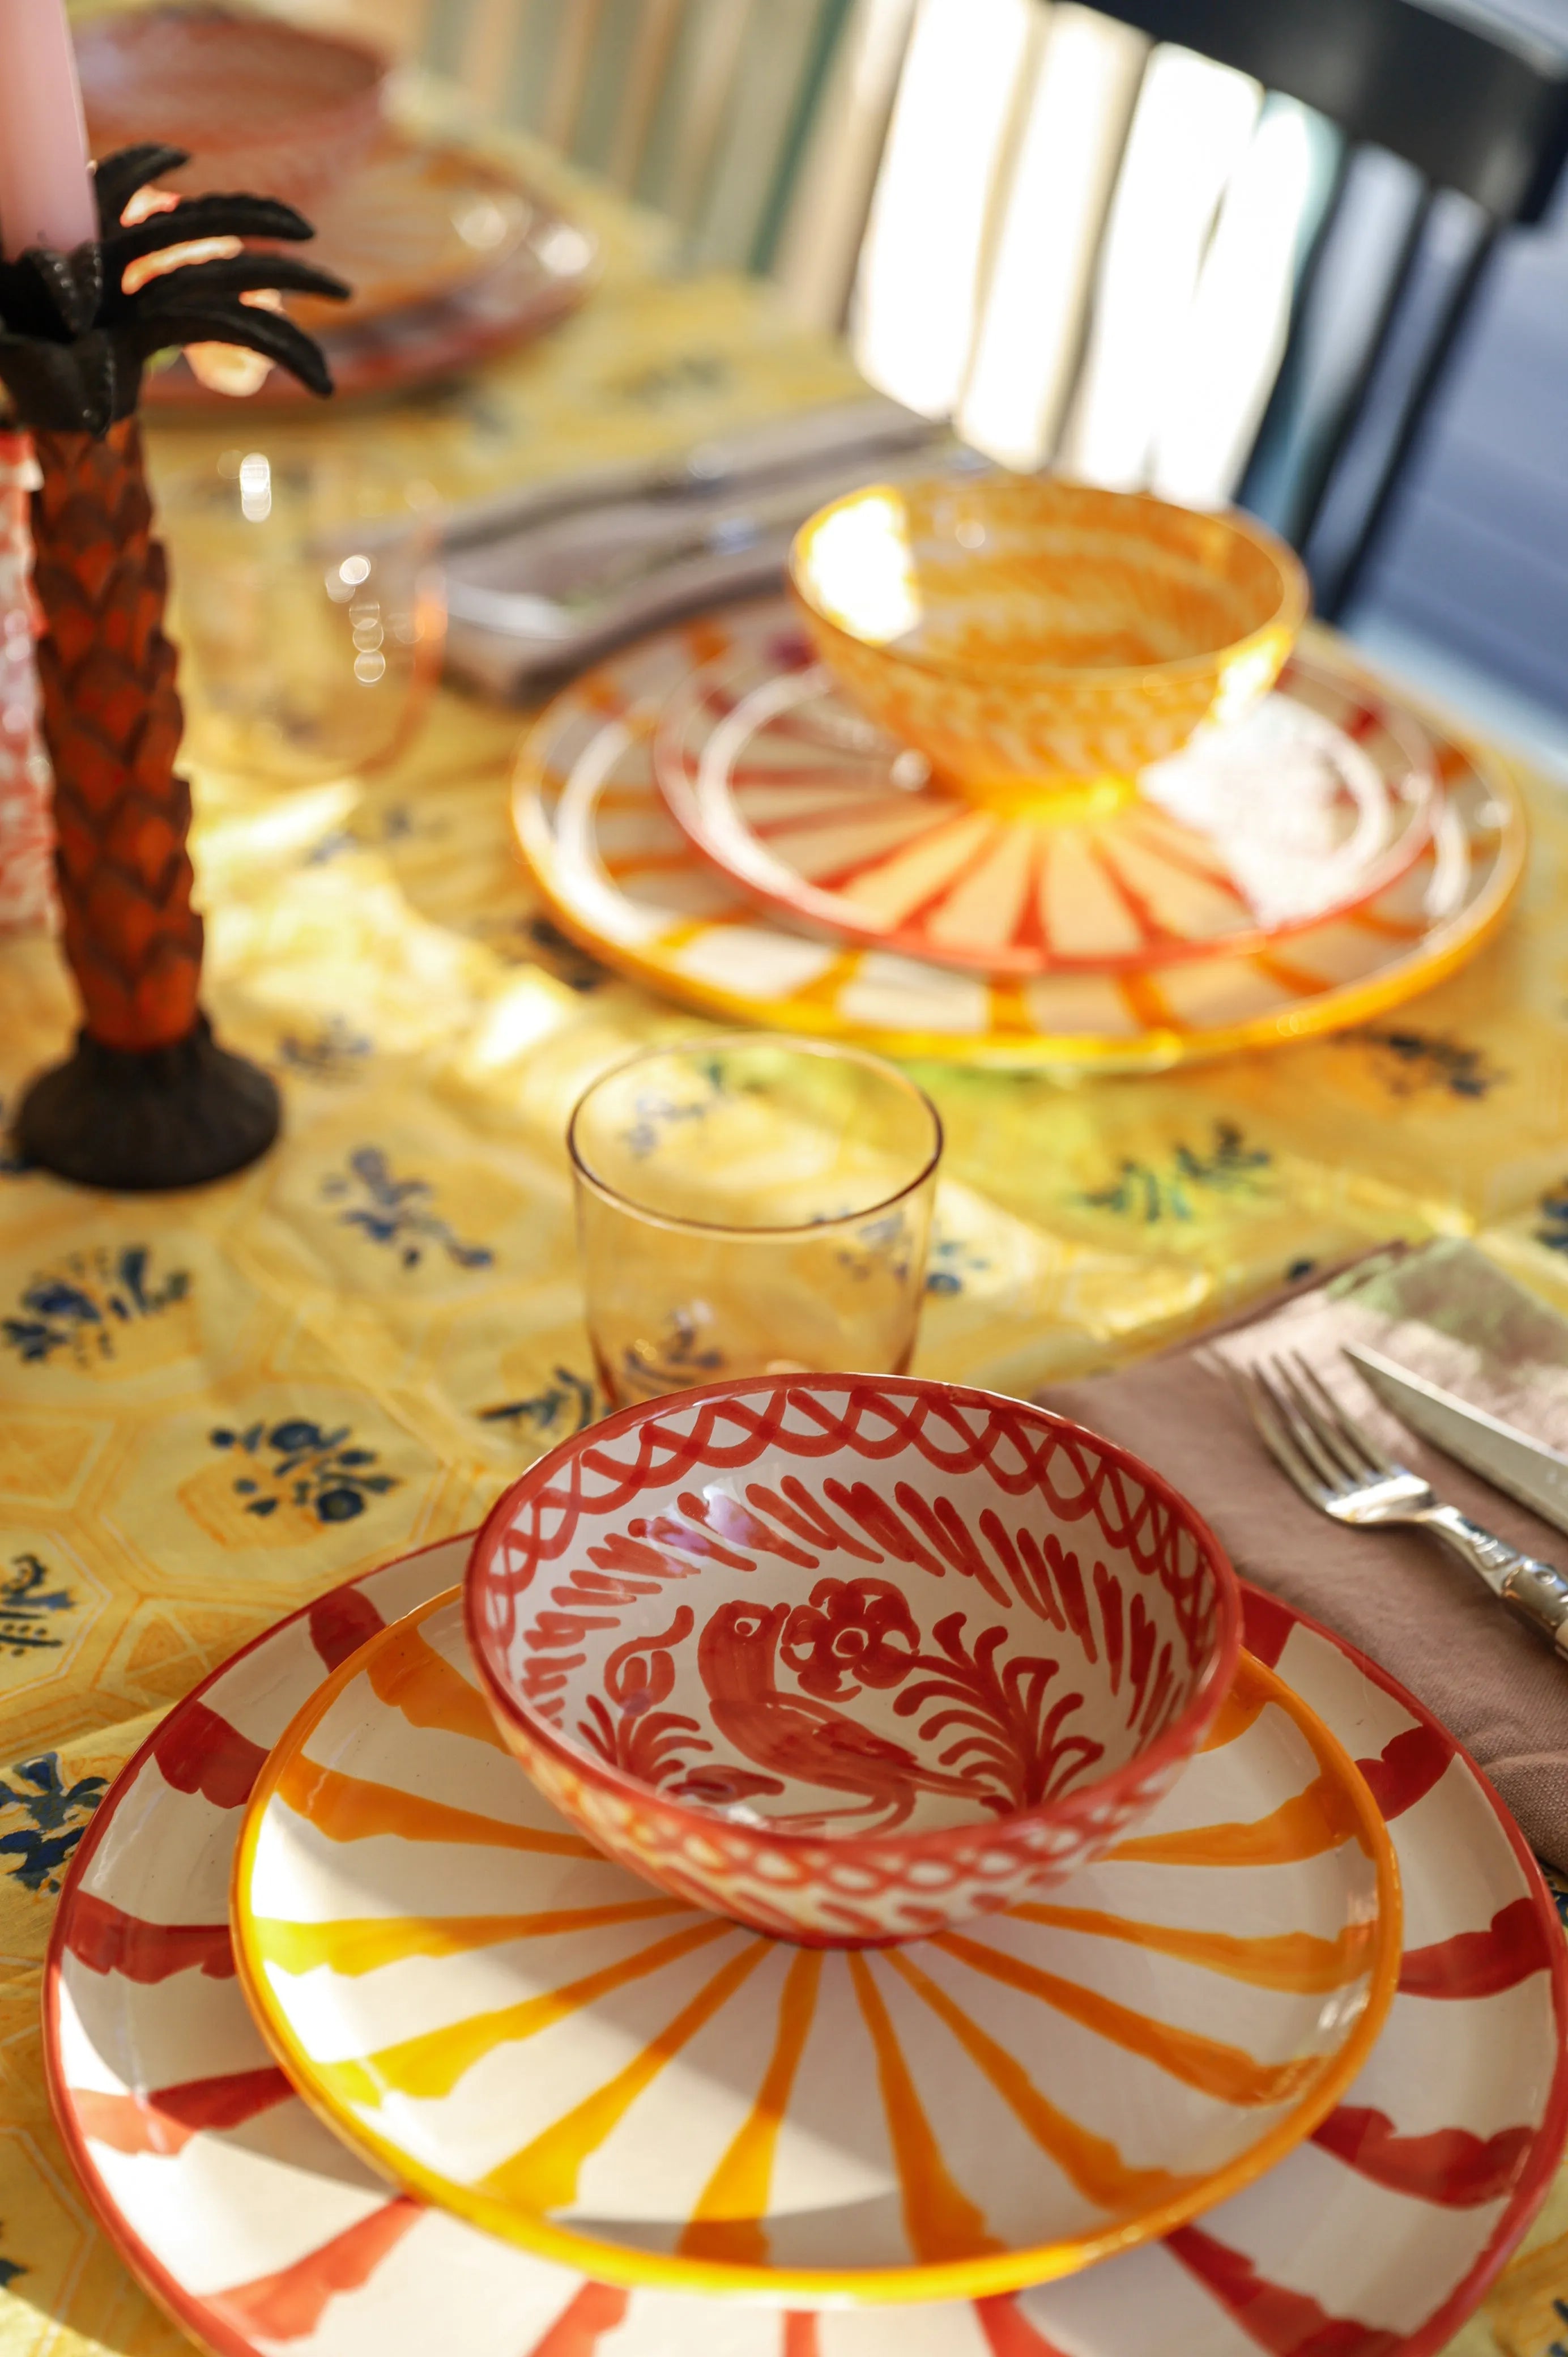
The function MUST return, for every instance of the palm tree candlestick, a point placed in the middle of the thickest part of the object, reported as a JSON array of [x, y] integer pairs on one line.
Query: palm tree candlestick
[[148, 1099]]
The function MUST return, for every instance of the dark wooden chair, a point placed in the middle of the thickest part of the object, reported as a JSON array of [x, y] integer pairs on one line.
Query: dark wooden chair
[[759, 124], [1480, 112], [1442, 130]]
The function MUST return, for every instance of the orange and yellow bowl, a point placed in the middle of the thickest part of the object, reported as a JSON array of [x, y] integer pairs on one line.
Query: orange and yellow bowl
[[1034, 636]]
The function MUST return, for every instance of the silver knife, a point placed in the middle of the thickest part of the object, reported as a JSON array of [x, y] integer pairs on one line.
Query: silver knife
[[1525, 1469]]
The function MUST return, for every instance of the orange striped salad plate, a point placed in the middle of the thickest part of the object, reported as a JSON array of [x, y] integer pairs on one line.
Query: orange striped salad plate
[[524, 2033]]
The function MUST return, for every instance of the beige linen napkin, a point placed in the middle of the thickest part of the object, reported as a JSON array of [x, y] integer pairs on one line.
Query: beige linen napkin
[[1445, 1312]]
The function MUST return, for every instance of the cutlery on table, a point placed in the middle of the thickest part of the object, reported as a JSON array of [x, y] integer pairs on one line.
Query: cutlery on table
[[553, 581], [1509, 1459], [558, 591], [1338, 1468], [865, 430]]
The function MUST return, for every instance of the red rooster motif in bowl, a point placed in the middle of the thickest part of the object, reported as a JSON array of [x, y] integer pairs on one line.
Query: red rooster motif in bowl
[[849, 1658]]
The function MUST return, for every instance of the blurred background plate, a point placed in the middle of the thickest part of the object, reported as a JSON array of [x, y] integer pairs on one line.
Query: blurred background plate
[[622, 880], [260, 104], [1311, 805], [446, 308], [413, 224], [450, 257]]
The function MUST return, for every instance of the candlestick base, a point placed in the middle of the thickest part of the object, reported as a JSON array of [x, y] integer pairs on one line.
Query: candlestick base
[[143, 1120]]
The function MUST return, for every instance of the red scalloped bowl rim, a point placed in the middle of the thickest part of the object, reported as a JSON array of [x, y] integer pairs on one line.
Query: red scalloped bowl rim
[[1175, 1743]]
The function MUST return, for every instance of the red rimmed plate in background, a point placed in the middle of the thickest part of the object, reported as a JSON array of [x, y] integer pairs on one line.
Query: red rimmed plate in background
[[259, 104], [451, 260], [619, 877], [1319, 799]]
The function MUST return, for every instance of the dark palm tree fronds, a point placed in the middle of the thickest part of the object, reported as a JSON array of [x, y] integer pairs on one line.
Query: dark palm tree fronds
[[211, 216], [266, 332], [73, 342], [202, 283], [118, 177]]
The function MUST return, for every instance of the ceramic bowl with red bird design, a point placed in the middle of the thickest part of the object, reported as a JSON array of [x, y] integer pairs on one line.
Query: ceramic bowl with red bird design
[[849, 1658]]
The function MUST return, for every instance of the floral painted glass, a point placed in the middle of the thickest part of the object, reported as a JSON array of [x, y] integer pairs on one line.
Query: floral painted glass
[[751, 1205]]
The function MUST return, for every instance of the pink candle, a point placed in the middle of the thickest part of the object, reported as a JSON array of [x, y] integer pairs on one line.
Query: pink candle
[[45, 187]]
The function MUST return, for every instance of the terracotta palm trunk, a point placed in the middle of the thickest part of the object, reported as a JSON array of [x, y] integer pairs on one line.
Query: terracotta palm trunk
[[111, 722], [148, 1100]]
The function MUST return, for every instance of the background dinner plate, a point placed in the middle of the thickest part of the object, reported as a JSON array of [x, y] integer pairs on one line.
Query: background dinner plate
[[1310, 806], [261, 2233], [619, 877], [416, 223], [528, 2034], [450, 259]]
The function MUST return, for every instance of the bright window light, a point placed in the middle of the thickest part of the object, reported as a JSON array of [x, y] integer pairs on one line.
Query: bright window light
[[820, 242], [1229, 351], [860, 570], [1049, 236], [917, 290], [1190, 129]]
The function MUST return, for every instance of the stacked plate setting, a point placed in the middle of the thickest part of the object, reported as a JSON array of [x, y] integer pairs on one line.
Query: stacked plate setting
[[450, 258], [1044, 797], [1280, 2062], [452, 261]]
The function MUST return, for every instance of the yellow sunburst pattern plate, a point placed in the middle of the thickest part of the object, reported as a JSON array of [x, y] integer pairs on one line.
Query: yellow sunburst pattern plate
[[1315, 803], [534, 2039], [622, 879]]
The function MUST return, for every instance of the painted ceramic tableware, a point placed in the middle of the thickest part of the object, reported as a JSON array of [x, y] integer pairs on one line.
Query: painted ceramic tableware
[[1313, 804], [1032, 636], [521, 2032], [621, 879], [415, 224], [259, 104], [450, 258], [262, 2234], [849, 1658]]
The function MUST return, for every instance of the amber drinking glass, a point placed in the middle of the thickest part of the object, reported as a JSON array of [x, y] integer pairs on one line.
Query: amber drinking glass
[[751, 1205], [308, 606]]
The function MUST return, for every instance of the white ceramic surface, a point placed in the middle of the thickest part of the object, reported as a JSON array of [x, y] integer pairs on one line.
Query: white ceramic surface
[[1309, 806]]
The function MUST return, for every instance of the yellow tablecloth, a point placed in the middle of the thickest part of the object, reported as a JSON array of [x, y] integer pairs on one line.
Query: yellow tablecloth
[[388, 1306]]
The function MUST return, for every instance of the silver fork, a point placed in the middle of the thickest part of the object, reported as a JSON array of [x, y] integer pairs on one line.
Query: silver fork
[[1340, 1470]]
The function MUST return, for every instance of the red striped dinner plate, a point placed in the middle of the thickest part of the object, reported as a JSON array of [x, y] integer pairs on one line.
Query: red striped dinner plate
[[265, 2237]]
